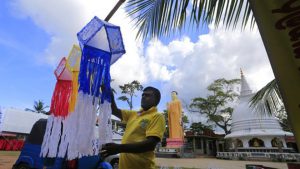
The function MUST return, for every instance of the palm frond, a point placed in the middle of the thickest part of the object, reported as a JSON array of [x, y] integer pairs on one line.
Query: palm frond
[[268, 99], [156, 18]]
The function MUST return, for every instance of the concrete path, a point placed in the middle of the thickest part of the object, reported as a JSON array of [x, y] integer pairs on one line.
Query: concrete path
[[8, 159], [212, 163]]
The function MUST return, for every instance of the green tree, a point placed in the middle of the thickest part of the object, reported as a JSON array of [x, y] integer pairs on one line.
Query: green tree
[[199, 127], [215, 105], [165, 113], [155, 18], [185, 121], [130, 89], [283, 120], [268, 101], [39, 107]]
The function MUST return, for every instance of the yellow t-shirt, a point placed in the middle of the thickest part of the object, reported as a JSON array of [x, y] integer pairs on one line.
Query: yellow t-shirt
[[138, 127]]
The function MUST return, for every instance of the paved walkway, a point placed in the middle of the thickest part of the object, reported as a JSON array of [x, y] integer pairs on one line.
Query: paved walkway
[[212, 163], [7, 159]]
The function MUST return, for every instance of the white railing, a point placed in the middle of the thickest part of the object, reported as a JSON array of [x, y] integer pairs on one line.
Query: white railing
[[261, 155]]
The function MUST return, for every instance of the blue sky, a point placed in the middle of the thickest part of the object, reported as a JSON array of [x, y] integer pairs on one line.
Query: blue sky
[[22, 44], [23, 79], [35, 34]]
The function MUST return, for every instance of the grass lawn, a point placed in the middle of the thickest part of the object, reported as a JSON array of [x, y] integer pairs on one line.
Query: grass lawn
[[10, 153]]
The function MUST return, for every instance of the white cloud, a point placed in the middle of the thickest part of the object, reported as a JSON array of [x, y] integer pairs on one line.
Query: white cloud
[[221, 53], [163, 60], [62, 19], [181, 65]]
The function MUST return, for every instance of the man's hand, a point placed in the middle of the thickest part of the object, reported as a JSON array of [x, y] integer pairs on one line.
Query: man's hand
[[110, 149]]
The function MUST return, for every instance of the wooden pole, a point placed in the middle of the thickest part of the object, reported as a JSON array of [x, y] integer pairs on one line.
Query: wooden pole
[[112, 12]]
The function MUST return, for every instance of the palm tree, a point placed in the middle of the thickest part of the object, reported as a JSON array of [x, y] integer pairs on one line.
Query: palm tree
[[38, 107], [268, 100], [155, 18]]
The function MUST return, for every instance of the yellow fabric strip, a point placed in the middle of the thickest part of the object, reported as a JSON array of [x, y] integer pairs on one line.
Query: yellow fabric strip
[[74, 91]]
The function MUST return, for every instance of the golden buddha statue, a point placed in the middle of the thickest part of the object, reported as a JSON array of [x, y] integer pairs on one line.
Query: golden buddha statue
[[256, 143], [174, 117]]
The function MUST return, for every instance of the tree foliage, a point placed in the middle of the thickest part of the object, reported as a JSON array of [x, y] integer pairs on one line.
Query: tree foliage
[[155, 18], [283, 121], [129, 90], [268, 101], [199, 127], [39, 107], [216, 105], [185, 121]]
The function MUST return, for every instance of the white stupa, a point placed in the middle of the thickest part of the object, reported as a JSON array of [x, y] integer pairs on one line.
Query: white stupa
[[252, 131]]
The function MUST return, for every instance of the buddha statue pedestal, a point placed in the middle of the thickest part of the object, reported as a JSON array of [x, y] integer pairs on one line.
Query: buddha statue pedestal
[[172, 150], [174, 142]]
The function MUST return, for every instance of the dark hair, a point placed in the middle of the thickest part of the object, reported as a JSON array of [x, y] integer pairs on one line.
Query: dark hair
[[156, 93], [174, 92]]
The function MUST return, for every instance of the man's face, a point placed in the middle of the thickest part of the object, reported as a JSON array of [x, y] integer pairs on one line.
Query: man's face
[[148, 100]]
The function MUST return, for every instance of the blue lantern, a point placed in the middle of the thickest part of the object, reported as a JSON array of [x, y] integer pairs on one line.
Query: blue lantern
[[101, 45], [102, 37]]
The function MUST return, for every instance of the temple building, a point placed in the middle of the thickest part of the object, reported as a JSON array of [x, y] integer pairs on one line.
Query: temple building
[[205, 142], [252, 131], [257, 136]]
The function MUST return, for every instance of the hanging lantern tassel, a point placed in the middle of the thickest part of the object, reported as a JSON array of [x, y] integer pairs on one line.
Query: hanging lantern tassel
[[101, 45], [59, 110], [69, 124], [89, 97], [73, 64], [104, 123]]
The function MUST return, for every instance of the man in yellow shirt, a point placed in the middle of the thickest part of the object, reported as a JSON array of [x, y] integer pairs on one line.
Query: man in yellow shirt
[[144, 129]]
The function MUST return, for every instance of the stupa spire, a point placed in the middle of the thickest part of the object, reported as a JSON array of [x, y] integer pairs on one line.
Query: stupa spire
[[245, 89]]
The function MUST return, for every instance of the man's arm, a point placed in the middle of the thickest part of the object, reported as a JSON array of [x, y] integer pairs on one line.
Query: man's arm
[[115, 110], [139, 147]]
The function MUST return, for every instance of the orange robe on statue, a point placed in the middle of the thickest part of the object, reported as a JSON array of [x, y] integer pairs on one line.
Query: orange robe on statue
[[174, 120]]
